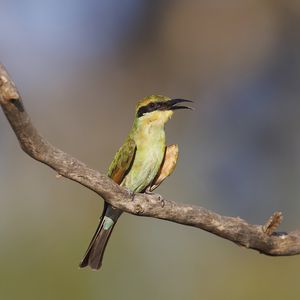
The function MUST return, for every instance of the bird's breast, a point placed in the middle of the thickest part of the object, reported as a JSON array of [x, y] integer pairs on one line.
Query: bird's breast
[[147, 161]]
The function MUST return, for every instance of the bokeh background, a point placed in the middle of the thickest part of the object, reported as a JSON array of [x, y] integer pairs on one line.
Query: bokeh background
[[80, 67]]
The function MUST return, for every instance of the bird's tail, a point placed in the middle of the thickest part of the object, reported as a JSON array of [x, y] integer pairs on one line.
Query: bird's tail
[[94, 254]]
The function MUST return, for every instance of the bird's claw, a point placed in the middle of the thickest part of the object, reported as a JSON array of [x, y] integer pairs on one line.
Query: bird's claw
[[159, 197], [131, 193]]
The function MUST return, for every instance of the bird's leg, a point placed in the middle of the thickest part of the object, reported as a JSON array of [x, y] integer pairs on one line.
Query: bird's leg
[[160, 198]]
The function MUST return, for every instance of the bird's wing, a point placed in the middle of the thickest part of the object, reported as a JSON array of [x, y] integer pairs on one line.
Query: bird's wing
[[122, 161], [167, 167]]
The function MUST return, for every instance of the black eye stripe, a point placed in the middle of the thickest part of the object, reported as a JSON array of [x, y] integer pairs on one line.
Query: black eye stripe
[[152, 106]]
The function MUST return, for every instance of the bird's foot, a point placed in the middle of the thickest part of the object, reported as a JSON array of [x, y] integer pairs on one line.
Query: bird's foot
[[131, 193], [159, 197]]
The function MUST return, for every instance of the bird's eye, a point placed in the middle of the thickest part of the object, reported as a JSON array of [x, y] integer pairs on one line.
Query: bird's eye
[[152, 105]]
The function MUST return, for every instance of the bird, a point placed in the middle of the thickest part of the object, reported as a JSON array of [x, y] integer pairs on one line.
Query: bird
[[140, 165]]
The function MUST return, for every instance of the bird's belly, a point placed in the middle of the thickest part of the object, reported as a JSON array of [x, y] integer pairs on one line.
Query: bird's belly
[[146, 164]]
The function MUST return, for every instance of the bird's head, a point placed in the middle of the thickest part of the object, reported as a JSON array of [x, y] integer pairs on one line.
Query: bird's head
[[158, 109]]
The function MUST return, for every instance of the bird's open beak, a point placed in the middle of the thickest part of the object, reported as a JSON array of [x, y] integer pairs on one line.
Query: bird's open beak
[[172, 104]]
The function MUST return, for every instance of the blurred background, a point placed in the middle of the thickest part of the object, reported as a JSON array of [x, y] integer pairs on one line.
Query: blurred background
[[80, 67]]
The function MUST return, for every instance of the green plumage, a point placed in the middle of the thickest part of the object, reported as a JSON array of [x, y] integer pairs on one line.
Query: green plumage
[[149, 154]]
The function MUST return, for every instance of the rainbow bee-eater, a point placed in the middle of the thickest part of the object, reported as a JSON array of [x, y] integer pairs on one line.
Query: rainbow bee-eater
[[140, 165]]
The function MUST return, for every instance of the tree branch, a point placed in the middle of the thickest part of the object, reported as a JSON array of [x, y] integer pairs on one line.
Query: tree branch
[[258, 237]]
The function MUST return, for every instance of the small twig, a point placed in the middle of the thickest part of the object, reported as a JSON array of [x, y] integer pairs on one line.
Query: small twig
[[260, 238], [273, 222]]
